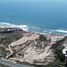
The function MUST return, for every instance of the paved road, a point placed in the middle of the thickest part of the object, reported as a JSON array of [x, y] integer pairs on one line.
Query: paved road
[[11, 64]]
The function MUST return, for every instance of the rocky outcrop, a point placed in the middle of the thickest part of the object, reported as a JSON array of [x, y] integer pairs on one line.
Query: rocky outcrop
[[32, 48]]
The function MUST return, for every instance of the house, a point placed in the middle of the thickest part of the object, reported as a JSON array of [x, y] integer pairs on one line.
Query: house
[[9, 29]]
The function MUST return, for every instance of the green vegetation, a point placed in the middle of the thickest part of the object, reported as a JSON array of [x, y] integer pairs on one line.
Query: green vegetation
[[42, 38], [6, 39], [59, 57]]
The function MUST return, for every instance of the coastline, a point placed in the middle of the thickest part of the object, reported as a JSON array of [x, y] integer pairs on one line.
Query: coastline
[[28, 47], [58, 31]]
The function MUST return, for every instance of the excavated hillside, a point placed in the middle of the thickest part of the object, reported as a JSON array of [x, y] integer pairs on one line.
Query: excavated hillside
[[33, 48]]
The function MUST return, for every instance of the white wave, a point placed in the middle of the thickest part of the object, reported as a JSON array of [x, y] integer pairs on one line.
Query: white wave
[[62, 31], [35, 29], [9, 25], [55, 31]]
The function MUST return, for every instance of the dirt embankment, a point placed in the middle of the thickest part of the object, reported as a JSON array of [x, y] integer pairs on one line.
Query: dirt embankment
[[33, 49], [30, 47]]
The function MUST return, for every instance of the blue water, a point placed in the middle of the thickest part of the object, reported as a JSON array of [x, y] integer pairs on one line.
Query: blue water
[[42, 14]]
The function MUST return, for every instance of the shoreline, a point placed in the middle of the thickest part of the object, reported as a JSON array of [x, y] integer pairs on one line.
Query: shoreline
[[29, 47], [34, 29]]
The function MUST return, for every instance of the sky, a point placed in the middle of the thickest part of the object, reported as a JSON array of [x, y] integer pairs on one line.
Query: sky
[[33, 0]]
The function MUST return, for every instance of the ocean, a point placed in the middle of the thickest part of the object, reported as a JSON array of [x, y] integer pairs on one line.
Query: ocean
[[45, 16]]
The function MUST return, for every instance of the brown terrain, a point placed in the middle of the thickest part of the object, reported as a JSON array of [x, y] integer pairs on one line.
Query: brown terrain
[[29, 47]]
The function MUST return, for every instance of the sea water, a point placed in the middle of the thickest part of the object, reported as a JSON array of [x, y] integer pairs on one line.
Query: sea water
[[39, 15]]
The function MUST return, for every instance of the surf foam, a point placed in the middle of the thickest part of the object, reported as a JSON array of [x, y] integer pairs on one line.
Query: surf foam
[[9, 25], [62, 31], [32, 28]]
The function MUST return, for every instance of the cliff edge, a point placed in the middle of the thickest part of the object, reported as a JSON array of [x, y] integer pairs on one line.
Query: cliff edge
[[32, 48]]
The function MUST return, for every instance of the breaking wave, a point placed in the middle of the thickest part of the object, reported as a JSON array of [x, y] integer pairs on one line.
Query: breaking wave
[[62, 31], [5, 24], [33, 29], [56, 31]]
